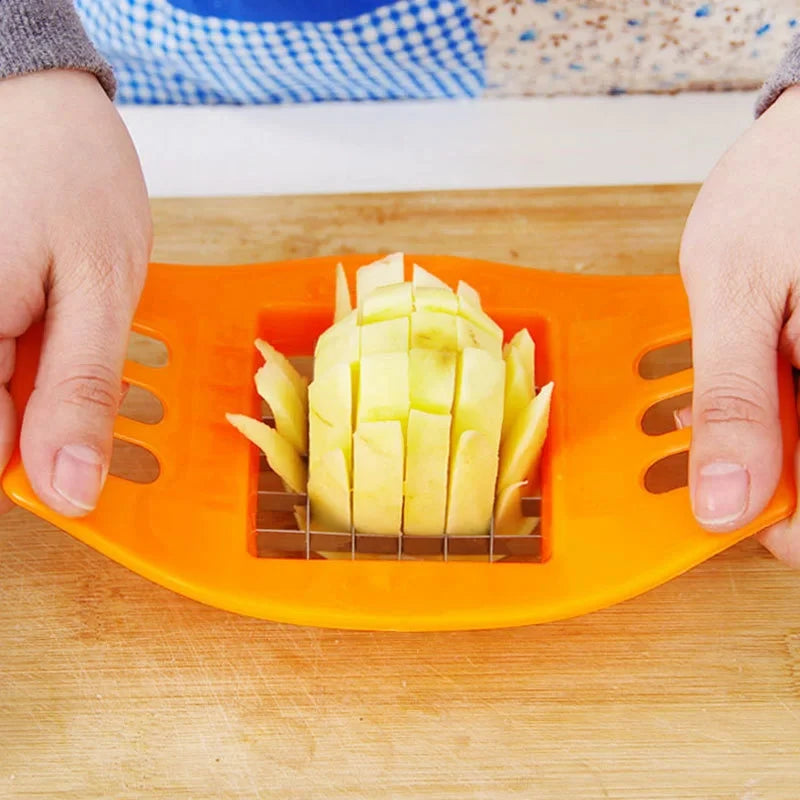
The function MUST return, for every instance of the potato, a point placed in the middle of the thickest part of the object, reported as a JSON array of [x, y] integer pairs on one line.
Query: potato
[[426, 472], [419, 419], [284, 460]]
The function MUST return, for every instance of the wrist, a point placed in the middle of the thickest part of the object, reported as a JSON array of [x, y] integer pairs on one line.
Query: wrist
[[782, 118], [43, 35]]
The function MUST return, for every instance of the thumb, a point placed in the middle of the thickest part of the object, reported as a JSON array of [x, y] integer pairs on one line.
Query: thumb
[[736, 450], [66, 434]]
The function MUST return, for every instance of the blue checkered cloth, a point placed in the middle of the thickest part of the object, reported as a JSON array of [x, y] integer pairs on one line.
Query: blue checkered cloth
[[251, 53]]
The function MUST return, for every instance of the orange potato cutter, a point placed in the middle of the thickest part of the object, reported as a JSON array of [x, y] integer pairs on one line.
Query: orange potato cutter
[[213, 526]]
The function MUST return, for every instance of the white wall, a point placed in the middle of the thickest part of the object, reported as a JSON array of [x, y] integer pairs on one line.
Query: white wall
[[435, 145]]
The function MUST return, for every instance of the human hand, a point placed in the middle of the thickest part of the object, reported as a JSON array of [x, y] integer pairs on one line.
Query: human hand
[[739, 262], [75, 238]]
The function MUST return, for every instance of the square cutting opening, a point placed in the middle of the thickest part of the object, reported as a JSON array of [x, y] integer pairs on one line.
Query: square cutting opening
[[281, 526]]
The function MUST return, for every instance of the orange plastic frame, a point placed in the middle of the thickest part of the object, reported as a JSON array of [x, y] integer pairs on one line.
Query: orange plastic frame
[[606, 537]]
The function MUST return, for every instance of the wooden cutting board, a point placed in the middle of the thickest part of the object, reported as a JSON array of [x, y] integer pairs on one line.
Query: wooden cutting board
[[111, 687]]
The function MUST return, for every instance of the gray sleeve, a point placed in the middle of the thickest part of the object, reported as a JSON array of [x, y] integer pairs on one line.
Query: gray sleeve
[[37, 35], [787, 74]]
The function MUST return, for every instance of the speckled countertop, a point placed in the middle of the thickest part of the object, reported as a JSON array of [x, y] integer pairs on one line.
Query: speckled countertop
[[536, 47]]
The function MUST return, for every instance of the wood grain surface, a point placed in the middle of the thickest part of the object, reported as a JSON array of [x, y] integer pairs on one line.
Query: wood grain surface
[[111, 687]]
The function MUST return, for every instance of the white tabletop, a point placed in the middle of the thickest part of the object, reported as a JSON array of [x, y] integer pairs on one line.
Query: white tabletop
[[435, 145]]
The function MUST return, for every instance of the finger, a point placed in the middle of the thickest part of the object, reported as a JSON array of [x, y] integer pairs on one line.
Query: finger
[[8, 432], [783, 541], [736, 451], [21, 302], [8, 417], [66, 433], [783, 538]]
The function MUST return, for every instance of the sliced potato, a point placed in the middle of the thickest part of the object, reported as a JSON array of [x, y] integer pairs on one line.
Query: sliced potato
[[434, 330], [339, 344], [378, 466], [418, 419], [330, 396], [508, 518], [343, 305], [432, 298], [470, 295], [427, 459], [432, 380], [282, 458], [388, 336], [324, 437], [480, 319], [331, 413], [269, 353], [470, 501], [519, 388], [422, 278], [387, 302], [521, 452], [478, 401], [478, 410], [383, 388], [385, 271], [287, 407], [329, 493], [470, 335], [523, 343]]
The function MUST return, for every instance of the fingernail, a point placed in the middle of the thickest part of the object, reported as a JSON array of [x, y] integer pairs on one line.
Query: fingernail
[[79, 475], [722, 493]]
